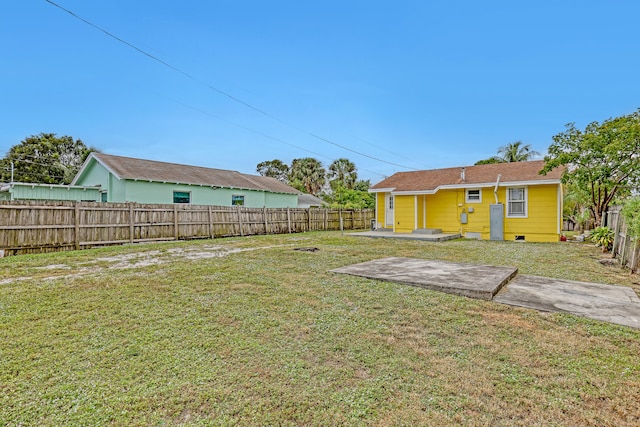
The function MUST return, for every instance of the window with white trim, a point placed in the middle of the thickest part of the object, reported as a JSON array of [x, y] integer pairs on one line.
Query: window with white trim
[[473, 195], [517, 202]]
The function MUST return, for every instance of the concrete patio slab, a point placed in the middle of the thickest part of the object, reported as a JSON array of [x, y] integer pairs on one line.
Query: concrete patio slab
[[475, 281], [438, 237], [614, 304]]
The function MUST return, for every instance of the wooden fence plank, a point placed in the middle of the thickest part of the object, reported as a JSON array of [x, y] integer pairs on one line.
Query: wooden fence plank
[[239, 211], [76, 218], [264, 216], [176, 233], [131, 223], [210, 223], [625, 249]]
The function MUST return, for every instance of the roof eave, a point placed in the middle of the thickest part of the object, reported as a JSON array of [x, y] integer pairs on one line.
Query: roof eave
[[381, 190], [213, 186], [480, 185]]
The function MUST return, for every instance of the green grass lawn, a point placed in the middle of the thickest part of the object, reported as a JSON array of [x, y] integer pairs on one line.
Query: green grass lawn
[[249, 331]]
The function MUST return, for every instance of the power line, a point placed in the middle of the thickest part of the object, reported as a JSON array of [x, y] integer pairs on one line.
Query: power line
[[15, 160], [390, 152], [257, 132], [219, 91]]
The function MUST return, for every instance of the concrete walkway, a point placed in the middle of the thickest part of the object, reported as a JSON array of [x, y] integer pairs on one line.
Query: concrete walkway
[[614, 304]]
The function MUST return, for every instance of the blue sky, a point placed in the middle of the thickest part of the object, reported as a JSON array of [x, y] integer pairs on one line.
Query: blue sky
[[419, 84]]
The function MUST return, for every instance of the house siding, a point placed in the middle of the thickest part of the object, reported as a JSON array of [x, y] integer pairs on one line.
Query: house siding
[[477, 221], [158, 192], [542, 222], [279, 200], [381, 209], [404, 214], [94, 175], [444, 209], [421, 213], [45, 192]]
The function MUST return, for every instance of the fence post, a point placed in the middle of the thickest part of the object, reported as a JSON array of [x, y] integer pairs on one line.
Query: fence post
[[176, 234], [210, 223], [623, 236], [131, 222], [264, 216], [289, 219], [239, 213], [326, 220], [616, 233], [76, 215], [308, 219], [636, 254]]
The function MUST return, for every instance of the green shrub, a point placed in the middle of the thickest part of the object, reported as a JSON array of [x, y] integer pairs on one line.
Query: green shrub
[[631, 215], [603, 236]]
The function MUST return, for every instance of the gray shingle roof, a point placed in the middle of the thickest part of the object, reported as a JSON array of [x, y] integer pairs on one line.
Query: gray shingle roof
[[151, 170], [308, 200]]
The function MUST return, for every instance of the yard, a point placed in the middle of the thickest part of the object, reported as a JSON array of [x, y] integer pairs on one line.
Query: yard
[[252, 331]]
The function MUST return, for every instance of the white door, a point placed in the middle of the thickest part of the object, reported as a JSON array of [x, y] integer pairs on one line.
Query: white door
[[389, 211]]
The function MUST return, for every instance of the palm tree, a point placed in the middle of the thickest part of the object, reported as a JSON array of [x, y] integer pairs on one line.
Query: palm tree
[[342, 172], [308, 174], [516, 152]]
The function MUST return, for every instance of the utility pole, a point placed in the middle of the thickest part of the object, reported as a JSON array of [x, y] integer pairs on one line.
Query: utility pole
[[12, 172]]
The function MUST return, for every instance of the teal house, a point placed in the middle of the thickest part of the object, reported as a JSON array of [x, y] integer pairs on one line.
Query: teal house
[[125, 179], [29, 191]]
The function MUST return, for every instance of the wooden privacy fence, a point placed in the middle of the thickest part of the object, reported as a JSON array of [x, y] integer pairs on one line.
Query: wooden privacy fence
[[625, 249], [38, 226]]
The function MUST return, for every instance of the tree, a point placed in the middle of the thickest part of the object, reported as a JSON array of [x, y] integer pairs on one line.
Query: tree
[[308, 175], [342, 173], [516, 152], [513, 152], [603, 160], [344, 198], [489, 161], [357, 197], [275, 169], [362, 185], [576, 206], [45, 158]]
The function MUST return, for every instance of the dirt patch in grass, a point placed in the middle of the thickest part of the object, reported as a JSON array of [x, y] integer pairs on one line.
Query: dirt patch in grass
[[134, 260]]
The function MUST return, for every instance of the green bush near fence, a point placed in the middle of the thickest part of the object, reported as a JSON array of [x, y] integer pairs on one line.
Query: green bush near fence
[[631, 214]]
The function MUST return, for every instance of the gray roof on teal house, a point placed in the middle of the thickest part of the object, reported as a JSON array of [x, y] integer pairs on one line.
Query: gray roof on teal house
[[309, 200], [150, 170]]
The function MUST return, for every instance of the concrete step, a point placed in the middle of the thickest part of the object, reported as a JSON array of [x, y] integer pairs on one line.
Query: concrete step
[[427, 231]]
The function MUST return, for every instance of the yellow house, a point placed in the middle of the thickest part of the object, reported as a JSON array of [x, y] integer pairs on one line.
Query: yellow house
[[502, 201]]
